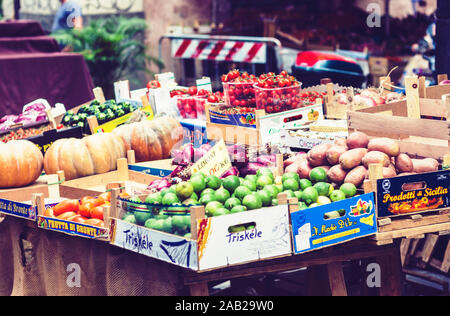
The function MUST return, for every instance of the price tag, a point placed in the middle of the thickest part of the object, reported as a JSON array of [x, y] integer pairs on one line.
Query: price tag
[[122, 90], [204, 84], [215, 162]]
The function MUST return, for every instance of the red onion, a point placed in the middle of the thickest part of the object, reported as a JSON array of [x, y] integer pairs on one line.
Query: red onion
[[231, 172]]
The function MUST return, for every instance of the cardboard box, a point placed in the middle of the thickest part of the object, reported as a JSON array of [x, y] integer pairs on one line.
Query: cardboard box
[[334, 223]]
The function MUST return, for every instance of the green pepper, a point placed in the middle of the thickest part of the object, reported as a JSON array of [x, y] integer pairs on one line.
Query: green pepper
[[101, 118], [120, 113]]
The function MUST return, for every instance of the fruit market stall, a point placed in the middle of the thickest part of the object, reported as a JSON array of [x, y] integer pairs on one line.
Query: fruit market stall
[[236, 201]]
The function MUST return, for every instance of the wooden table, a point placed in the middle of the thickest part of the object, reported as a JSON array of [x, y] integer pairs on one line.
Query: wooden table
[[325, 262]]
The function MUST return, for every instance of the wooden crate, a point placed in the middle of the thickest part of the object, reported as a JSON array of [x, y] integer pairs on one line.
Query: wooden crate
[[18, 202], [403, 121], [97, 184], [409, 226], [195, 253]]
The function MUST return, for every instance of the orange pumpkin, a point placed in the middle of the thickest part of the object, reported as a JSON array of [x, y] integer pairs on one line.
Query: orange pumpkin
[[95, 154], [151, 140], [20, 163]]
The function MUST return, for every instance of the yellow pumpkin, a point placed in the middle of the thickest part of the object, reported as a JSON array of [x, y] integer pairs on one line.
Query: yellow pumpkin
[[20, 163], [95, 154]]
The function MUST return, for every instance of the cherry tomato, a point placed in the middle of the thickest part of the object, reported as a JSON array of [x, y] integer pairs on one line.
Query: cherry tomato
[[85, 209]]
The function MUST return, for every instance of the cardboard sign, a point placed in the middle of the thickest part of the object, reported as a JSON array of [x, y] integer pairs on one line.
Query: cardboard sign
[[413, 194], [244, 237], [22, 210], [334, 223], [272, 126], [72, 228], [122, 90], [204, 84], [301, 142], [46, 140], [155, 244], [215, 162]]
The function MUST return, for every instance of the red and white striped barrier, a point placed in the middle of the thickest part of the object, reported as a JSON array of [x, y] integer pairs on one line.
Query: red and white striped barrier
[[218, 50]]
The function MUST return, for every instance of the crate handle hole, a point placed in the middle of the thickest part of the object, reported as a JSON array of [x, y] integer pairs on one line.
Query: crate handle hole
[[414, 186], [241, 227], [334, 215]]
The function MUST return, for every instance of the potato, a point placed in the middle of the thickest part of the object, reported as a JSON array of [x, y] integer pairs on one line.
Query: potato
[[389, 172], [357, 140], [403, 163], [425, 165], [292, 167], [352, 158], [294, 159], [356, 176], [317, 155], [336, 174], [304, 169], [386, 145], [376, 157], [340, 142], [334, 153], [326, 168]]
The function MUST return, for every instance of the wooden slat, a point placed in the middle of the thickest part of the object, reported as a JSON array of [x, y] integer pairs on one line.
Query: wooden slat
[[399, 125], [424, 150], [404, 247], [397, 224], [336, 278], [412, 232], [428, 247], [436, 92], [412, 97], [432, 107], [446, 261]]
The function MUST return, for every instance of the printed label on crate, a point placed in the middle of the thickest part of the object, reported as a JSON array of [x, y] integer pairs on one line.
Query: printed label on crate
[[194, 132], [111, 125], [151, 171], [72, 228], [236, 119], [215, 162], [244, 237], [413, 194], [301, 142], [17, 209], [155, 244], [272, 126], [334, 223], [46, 140]]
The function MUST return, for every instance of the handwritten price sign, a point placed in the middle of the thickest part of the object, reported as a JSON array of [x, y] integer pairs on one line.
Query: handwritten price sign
[[215, 162]]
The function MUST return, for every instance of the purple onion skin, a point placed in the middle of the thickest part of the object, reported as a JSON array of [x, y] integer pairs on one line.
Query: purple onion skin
[[231, 172], [266, 160], [250, 168]]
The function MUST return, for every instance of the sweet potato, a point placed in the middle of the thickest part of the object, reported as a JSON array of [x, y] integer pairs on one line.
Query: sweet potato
[[352, 158], [403, 163], [356, 176], [425, 165], [334, 153], [304, 169], [386, 145], [336, 174], [376, 157], [294, 159], [357, 140], [317, 155]]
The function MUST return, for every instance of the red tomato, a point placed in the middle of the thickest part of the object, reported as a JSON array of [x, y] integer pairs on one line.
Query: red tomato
[[154, 84], [192, 90], [49, 213], [85, 209], [97, 212], [66, 216], [105, 197], [78, 219], [66, 206], [95, 222]]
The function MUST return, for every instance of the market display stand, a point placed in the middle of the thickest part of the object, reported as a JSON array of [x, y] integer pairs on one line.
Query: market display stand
[[329, 258]]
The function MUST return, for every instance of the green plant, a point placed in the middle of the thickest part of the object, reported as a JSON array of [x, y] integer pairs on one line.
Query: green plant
[[113, 48]]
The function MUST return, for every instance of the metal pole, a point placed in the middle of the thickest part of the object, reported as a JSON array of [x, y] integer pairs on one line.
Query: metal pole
[[387, 7]]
